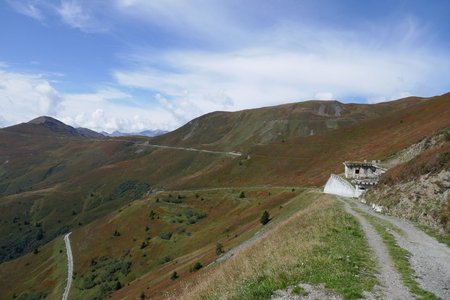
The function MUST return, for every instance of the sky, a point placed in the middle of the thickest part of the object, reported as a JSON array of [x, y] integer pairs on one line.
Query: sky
[[132, 65]]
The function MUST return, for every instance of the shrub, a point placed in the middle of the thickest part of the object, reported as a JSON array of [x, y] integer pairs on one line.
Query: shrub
[[132, 189], [242, 195], [265, 218], [197, 266], [165, 259], [142, 296], [174, 276], [144, 244], [116, 233], [40, 235], [165, 235], [219, 249], [32, 296], [118, 286]]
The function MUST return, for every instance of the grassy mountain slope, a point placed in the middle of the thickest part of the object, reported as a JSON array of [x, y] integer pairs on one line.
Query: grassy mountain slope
[[146, 240], [52, 183], [310, 160], [244, 129]]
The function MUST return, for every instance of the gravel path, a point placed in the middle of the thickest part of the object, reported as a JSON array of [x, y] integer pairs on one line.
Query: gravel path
[[69, 266], [392, 285], [429, 258], [230, 153]]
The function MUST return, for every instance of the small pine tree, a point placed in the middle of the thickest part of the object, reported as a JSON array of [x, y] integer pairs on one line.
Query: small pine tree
[[118, 286], [219, 249], [242, 195], [143, 245], [116, 233], [142, 296], [174, 276], [35, 251], [265, 218], [197, 266]]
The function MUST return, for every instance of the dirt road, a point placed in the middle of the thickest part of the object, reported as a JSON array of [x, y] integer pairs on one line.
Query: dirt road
[[429, 258], [69, 266], [389, 278]]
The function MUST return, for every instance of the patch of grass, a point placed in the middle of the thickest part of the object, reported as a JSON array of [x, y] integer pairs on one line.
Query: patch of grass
[[441, 237], [400, 258], [302, 249]]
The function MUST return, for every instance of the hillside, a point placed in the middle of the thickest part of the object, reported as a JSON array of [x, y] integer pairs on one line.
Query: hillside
[[309, 160], [242, 130], [52, 181], [146, 211], [418, 189]]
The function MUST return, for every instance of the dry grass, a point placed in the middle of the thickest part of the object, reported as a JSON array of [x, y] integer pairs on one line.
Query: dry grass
[[296, 250]]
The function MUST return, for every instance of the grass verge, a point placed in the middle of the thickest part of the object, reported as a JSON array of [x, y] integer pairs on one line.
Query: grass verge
[[303, 249], [441, 237], [400, 257]]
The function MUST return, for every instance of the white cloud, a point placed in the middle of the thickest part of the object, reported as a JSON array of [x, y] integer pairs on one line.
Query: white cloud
[[378, 99], [28, 8], [324, 96], [199, 82], [200, 19], [77, 15], [25, 96]]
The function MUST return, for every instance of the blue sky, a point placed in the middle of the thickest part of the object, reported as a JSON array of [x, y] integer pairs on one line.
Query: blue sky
[[131, 65]]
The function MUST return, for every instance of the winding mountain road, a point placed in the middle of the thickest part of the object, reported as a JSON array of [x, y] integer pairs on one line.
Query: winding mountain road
[[69, 266], [230, 153]]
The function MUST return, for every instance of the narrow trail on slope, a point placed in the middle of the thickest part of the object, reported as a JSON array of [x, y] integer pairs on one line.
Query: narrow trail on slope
[[231, 153], [392, 285], [429, 259], [69, 266]]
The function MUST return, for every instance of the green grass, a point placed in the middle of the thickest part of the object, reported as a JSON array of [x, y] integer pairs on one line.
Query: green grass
[[441, 237], [320, 244], [400, 258], [345, 251]]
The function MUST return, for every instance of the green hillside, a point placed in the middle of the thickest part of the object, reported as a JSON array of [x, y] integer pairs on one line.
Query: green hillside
[[105, 189]]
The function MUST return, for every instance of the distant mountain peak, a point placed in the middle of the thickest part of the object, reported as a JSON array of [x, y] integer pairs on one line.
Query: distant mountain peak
[[59, 127], [46, 119], [148, 133]]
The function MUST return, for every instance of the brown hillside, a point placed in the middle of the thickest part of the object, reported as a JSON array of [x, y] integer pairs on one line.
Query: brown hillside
[[310, 160]]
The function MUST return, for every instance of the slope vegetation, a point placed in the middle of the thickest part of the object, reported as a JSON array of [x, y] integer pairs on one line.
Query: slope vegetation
[[418, 189], [52, 181]]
